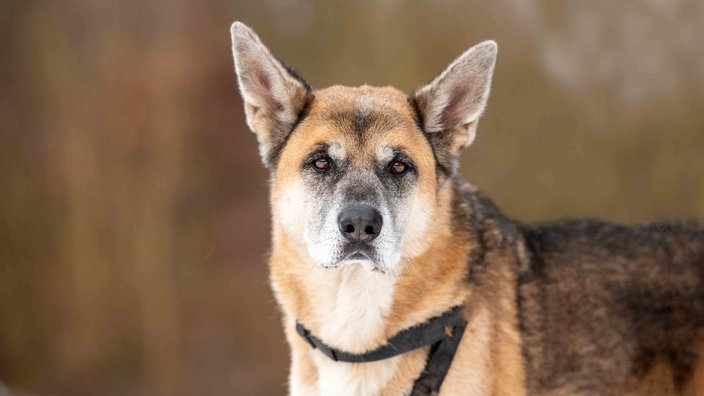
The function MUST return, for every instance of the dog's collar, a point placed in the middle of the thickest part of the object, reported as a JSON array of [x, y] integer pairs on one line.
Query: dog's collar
[[443, 332]]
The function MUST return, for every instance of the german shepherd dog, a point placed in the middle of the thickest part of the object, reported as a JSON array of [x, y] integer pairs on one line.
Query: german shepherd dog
[[375, 237]]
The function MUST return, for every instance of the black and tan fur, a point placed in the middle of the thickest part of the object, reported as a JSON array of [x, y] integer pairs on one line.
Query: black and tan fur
[[579, 307]]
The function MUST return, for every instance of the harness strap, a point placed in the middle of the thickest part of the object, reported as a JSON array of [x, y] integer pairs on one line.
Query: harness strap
[[433, 332], [438, 363], [406, 340]]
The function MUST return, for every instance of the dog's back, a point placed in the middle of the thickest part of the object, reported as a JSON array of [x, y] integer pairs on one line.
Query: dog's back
[[609, 308]]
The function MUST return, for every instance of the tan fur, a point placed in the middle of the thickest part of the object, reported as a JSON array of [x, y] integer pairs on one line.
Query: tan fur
[[302, 368], [655, 382], [695, 385], [658, 381]]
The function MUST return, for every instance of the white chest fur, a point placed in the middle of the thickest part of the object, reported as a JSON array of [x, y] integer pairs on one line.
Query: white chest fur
[[353, 310]]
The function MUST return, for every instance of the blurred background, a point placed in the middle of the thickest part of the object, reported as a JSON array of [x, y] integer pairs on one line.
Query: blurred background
[[134, 221]]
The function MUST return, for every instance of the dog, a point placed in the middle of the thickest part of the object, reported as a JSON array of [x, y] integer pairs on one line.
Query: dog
[[396, 277]]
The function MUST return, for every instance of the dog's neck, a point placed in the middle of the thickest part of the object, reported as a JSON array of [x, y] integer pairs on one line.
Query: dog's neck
[[353, 304]]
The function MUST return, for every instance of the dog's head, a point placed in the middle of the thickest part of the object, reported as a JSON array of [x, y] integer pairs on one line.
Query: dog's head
[[356, 172]]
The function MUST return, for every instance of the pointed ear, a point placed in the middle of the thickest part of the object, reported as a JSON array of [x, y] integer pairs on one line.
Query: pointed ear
[[449, 107], [274, 96]]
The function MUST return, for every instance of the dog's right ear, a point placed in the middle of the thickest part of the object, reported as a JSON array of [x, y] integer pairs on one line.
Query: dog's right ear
[[274, 96], [450, 105]]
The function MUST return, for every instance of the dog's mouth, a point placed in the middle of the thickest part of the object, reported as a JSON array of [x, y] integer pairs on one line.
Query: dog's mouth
[[357, 251], [364, 256], [358, 255]]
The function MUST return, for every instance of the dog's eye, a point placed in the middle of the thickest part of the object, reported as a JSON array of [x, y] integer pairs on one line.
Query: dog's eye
[[398, 168], [322, 163]]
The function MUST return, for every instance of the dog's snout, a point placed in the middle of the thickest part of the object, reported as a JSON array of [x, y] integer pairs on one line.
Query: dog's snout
[[360, 223]]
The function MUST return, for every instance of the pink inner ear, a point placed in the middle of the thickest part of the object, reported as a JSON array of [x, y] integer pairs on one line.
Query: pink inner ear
[[457, 107], [257, 81], [261, 79], [468, 88]]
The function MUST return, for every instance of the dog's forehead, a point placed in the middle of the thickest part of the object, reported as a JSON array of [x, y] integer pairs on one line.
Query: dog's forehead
[[372, 117], [363, 109], [382, 99]]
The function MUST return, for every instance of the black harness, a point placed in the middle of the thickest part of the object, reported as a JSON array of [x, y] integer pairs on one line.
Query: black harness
[[443, 333]]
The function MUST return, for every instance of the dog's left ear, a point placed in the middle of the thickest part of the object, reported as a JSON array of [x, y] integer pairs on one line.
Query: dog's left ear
[[274, 95], [449, 107]]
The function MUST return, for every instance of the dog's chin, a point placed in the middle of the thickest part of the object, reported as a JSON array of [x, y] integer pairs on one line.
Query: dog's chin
[[361, 259], [365, 263]]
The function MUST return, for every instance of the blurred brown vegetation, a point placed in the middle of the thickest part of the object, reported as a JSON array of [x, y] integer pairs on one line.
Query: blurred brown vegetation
[[133, 214]]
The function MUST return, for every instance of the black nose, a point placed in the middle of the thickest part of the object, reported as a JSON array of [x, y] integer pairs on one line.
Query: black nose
[[360, 223]]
